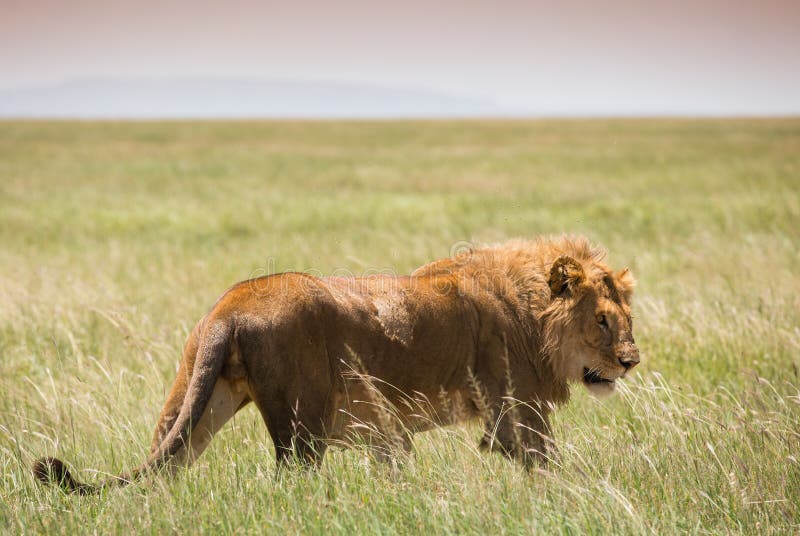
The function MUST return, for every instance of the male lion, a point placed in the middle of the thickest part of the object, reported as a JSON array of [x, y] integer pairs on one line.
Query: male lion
[[494, 333]]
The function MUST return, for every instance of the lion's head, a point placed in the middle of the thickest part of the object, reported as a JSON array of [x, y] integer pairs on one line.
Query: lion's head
[[588, 326]]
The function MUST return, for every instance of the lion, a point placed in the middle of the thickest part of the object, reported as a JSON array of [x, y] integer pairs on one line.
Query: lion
[[497, 333]]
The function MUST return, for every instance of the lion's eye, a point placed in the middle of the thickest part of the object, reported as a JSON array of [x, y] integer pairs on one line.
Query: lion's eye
[[601, 319]]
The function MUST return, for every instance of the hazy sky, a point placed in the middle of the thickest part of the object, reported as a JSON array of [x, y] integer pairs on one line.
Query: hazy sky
[[548, 58]]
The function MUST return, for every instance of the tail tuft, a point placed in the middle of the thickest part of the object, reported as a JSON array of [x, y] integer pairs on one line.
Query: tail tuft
[[53, 471]]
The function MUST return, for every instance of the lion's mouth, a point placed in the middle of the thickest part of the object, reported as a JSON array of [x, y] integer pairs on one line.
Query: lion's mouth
[[592, 377]]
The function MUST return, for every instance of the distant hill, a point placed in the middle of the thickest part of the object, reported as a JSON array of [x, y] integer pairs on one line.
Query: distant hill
[[233, 98]]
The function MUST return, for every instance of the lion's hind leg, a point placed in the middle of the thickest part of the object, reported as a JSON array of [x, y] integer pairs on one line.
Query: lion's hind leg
[[297, 434], [172, 407], [227, 399], [393, 450]]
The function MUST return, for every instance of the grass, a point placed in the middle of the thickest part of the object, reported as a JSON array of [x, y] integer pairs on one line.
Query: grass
[[116, 237]]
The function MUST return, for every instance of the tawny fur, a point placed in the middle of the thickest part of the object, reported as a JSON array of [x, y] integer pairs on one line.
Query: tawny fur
[[496, 333]]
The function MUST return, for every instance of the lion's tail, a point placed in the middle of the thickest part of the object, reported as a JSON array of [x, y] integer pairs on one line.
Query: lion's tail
[[215, 347]]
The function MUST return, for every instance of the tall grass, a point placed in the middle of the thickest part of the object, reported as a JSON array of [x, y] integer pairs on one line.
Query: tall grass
[[116, 237]]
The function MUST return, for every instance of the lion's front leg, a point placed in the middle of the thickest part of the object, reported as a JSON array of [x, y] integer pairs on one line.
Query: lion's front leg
[[520, 431]]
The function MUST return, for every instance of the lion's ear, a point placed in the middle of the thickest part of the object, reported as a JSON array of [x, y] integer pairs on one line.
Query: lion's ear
[[566, 275], [626, 283]]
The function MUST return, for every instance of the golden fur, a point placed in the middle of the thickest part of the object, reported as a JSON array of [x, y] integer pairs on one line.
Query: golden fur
[[496, 333]]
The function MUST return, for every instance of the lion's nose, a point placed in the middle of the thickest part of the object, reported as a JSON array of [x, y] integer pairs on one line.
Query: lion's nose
[[630, 357]]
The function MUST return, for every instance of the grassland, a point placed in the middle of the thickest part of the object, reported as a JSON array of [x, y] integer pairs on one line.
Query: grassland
[[116, 237]]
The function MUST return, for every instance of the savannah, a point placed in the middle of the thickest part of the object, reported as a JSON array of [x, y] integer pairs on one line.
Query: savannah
[[116, 237]]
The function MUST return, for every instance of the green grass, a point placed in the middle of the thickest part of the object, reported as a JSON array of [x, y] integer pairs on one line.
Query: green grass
[[116, 237]]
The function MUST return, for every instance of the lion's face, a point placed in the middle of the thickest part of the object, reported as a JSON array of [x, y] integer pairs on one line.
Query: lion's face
[[596, 329], [605, 349]]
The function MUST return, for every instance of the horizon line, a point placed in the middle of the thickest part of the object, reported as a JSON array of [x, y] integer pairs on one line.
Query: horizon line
[[402, 118]]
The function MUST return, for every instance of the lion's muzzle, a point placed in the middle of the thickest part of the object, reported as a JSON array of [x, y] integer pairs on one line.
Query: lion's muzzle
[[629, 355]]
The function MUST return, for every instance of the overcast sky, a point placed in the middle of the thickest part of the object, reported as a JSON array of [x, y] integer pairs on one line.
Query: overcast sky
[[539, 58]]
